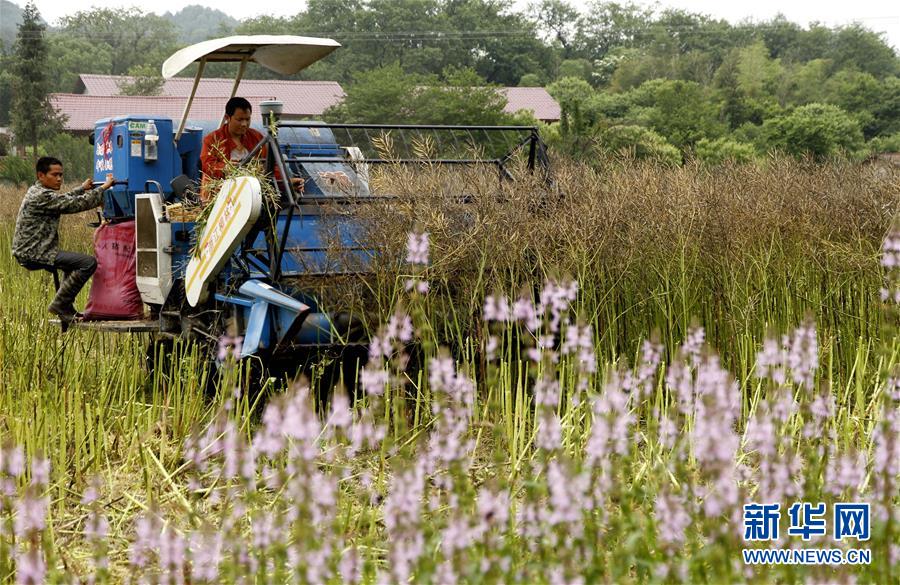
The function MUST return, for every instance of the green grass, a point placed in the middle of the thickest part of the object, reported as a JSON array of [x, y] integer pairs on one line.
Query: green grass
[[742, 252]]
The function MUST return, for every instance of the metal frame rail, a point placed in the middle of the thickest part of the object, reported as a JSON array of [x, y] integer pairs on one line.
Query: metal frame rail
[[537, 159]]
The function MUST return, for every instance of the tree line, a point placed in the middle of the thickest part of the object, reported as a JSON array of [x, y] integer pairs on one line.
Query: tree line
[[662, 83]]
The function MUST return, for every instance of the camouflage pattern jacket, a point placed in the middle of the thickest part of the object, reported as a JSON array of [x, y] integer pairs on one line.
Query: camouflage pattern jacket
[[37, 225]]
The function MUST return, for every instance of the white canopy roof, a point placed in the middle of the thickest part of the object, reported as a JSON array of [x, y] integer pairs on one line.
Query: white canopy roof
[[282, 54]]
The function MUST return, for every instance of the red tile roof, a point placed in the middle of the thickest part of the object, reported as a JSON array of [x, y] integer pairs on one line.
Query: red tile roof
[[300, 98], [535, 99], [100, 98], [84, 110]]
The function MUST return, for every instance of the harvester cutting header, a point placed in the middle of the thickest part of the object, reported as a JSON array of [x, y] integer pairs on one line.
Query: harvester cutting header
[[260, 232]]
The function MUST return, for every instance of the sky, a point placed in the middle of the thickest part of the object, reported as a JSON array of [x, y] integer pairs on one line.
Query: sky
[[878, 15]]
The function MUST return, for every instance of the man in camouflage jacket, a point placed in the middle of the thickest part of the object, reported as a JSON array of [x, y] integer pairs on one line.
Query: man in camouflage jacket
[[36, 241]]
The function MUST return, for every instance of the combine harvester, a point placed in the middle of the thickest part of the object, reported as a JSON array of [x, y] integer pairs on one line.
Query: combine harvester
[[250, 254]]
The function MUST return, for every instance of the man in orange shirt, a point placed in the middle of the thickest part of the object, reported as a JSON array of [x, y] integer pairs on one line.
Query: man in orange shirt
[[232, 142]]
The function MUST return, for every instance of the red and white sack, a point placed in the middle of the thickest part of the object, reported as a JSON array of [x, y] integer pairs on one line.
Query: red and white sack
[[114, 292]]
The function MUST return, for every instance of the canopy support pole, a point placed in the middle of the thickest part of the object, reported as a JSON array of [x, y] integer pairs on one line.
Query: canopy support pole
[[237, 81], [240, 75], [187, 106]]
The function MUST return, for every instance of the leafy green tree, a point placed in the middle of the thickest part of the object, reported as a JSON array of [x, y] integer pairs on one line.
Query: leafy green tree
[[143, 80], [678, 32], [69, 56], [717, 151], [530, 80], [558, 24], [637, 142], [607, 25], [133, 37], [681, 111], [758, 75], [855, 47], [580, 68], [32, 115], [570, 92], [887, 111], [860, 94], [885, 144], [634, 67], [75, 152], [460, 97], [16, 170], [819, 130], [805, 82], [381, 95], [780, 36], [615, 106], [388, 95], [813, 43], [6, 83], [733, 81], [196, 23]]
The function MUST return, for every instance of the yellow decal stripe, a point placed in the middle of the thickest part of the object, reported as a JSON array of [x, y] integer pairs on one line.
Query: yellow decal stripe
[[206, 261], [235, 190]]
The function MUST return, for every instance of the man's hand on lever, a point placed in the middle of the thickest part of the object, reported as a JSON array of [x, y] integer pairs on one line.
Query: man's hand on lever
[[89, 183]]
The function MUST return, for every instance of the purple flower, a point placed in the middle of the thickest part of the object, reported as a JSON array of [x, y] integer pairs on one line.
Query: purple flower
[[886, 465], [31, 514], [496, 308], [668, 433], [172, 555], [15, 461], [146, 541], [770, 362], [456, 536], [373, 379], [845, 473], [90, 494], [555, 299], [269, 440], [417, 248], [568, 497], [798, 353], [672, 520], [549, 431], [493, 510], [351, 567], [341, 415], [399, 327], [96, 527], [229, 347], [890, 257], [31, 568], [414, 284], [264, 530], [803, 354], [206, 554], [490, 348], [693, 343], [523, 310], [680, 378], [612, 420], [40, 471], [546, 392], [760, 434], [402, 522], [380, 347]]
